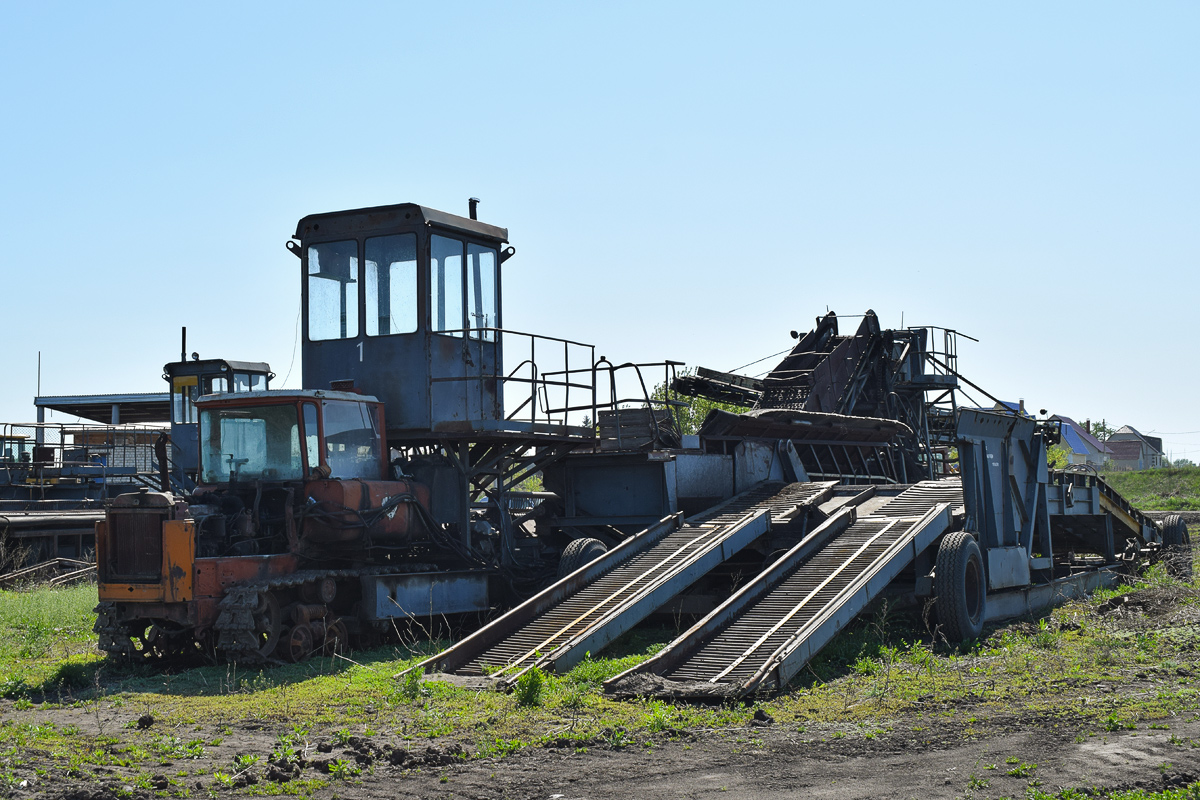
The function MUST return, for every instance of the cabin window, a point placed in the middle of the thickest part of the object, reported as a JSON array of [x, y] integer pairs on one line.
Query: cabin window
[[391, 285], [215, 385], [351, 440], [183, 392], [249, 382], [483, 309], [333, 290], [312, 436], [446, 285], [244, 444]]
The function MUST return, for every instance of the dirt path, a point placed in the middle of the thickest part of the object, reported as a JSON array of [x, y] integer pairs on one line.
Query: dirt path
[[760, 761], [786, 766]]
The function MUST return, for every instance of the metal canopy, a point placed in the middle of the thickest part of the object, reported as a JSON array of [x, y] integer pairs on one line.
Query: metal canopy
[[372, 220], [207, 365], [139, 407]]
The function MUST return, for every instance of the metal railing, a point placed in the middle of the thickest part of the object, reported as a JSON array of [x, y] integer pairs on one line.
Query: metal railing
[[941, 360], [44, 453], [556, 382]]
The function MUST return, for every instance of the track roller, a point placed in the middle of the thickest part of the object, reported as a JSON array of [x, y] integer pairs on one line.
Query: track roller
[[297, 644]]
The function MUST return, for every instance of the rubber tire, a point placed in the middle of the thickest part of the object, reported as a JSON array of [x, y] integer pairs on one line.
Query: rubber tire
[[579, 552], [960, 585], [1177, 548]]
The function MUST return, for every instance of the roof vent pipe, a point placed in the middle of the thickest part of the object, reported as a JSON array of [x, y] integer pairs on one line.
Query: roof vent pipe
[[473, 202]]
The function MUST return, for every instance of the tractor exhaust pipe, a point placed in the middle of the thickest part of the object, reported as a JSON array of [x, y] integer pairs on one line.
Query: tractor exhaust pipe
[[473, 204]]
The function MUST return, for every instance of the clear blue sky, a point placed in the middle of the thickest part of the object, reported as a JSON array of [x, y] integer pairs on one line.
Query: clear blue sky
[[684, 180]]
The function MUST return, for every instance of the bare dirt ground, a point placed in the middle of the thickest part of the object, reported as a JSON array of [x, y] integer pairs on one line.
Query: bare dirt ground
[[779, 764], [915, 758]]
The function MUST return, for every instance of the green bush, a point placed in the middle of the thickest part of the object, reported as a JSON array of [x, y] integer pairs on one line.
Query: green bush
[[530, 687]]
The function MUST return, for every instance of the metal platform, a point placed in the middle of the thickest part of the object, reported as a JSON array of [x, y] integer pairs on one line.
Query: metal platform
[[763, 635], [51, 534], [586, 610]]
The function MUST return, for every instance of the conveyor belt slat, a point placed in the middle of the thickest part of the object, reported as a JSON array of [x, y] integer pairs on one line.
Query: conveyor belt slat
[[590, 608], [774, 624]]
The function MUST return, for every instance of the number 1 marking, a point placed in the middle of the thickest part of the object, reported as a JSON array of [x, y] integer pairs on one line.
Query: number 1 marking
[[360, 344]]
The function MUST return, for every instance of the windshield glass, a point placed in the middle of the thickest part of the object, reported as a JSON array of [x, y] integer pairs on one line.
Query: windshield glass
[[351, 440], [244, 444]]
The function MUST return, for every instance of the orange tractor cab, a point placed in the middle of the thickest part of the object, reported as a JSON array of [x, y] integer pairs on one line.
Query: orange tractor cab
[[287, 479]]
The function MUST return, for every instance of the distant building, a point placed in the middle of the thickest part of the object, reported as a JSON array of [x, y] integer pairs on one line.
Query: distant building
[[1133, 450], [1013, 408], [1081, 446]]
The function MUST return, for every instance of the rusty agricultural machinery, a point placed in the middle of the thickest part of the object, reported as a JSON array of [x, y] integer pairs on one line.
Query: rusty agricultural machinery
[[438, 465]]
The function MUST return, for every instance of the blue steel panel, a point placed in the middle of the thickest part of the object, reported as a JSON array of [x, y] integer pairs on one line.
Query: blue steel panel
[[1018, 602], [394, 369], [424, 594]]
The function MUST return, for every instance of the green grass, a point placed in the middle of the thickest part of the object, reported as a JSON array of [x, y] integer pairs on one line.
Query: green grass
[[46, 639], [1170, 489]]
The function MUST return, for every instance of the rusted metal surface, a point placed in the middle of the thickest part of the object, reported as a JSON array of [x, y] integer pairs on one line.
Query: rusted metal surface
[[386, 507], [835, 386], [179, 556], [215, 575]]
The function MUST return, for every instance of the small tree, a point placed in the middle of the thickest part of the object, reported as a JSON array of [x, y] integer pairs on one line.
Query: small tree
[[689, 411], [1058, 457], [1101, 430]]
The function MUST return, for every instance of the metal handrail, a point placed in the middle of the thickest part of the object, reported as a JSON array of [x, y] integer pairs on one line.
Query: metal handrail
[[648, 402], [553, 393], [57, 439], [539, 382]]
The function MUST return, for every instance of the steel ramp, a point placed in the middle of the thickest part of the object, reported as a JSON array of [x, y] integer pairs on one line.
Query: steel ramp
[[586, 610], [920, 497], [763, 635]]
